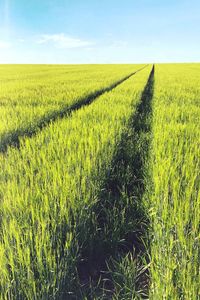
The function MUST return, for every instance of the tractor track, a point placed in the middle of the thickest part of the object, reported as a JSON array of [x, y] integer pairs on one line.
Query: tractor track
[[12, 138]]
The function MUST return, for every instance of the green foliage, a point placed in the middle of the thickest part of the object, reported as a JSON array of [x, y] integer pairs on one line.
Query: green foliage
[[114, 186], [174, 197], [49, 185], [31, 95]]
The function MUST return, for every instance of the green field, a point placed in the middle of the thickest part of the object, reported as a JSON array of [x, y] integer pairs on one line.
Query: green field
[[99, 182]]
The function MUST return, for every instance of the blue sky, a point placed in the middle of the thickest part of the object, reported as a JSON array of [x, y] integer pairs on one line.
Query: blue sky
[[99, 31]]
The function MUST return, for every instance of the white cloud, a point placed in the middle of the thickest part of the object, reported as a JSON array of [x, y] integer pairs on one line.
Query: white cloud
[[61, 40], [4, 45]]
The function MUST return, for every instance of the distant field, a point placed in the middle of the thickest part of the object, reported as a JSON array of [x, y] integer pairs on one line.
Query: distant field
[[32, 95], [99, 168]]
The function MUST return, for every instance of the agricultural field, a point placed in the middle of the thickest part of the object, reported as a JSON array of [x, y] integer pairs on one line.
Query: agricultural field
[[99, 182], [175, 174], [32, 96]]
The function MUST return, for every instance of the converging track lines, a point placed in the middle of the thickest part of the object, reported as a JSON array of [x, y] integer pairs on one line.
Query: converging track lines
[[12, 138]]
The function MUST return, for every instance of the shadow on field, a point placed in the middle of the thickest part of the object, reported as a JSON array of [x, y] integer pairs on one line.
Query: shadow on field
[[114, 250], [12, 138]]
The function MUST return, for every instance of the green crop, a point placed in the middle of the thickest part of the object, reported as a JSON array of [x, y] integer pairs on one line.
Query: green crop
[[49, 185], [99, 193], [175, 197], [30, 95]]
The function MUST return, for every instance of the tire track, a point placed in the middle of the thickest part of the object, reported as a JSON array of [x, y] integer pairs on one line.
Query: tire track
[[119, 231], [12, 138]]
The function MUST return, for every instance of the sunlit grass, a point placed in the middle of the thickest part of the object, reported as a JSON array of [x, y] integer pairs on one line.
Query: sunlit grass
[[29, 93], [52, 186], [175, 197], [47, 188]]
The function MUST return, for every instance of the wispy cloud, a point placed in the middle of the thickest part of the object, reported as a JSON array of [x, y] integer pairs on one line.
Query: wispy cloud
[[63, 41], [4, 45]]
